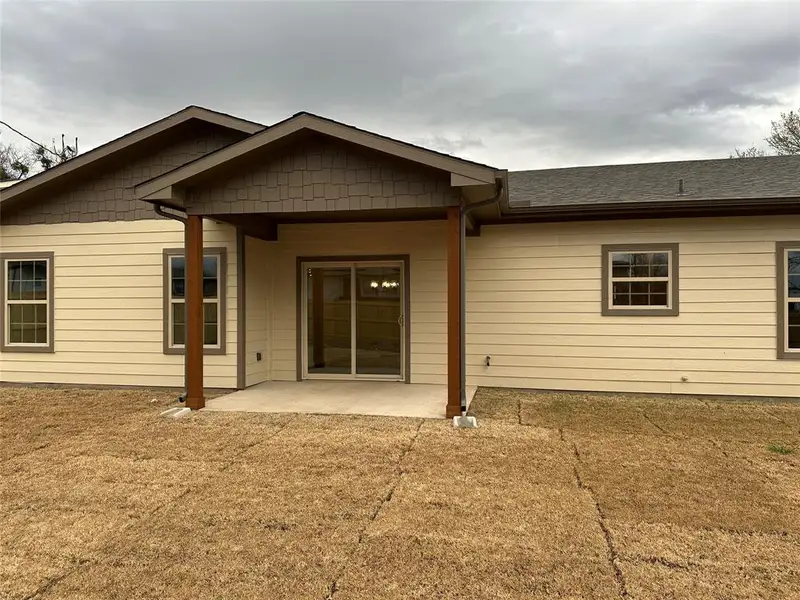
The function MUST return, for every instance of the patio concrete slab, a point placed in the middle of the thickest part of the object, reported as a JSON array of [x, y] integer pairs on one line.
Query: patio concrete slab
[[382, 398]]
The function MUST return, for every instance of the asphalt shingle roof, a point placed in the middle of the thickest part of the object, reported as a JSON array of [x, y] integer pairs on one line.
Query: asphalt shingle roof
[[729, 179]]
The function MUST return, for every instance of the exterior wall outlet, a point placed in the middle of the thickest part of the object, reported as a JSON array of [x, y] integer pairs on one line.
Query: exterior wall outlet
[[258, 355]]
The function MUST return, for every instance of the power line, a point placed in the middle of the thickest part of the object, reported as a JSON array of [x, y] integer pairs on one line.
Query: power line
[[42, 146]]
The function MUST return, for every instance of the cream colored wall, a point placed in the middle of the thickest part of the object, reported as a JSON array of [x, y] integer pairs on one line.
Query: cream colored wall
[[109, 304], [423, 241], [534, 306], [258, 283]]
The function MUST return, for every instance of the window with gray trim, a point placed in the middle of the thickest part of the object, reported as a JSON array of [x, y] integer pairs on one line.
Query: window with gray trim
[[640, 279], [788, 272], [213, 301], [27, 302]]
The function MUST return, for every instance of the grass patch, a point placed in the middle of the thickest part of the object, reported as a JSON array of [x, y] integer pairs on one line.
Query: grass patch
[[780, 449]]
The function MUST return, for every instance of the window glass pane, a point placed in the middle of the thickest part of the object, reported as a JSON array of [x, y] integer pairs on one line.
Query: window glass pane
[[14, 270], [14, 290], [178, 287], [210, 276], [793, 319], [210, 313], [209, 288], [178, 334], [210, 266], [659, 258], [620, 265], [40, 290], [621, 294], [41, 313], [793, 261], [15, 333], [41, 333], [15, 313], [178, 266], [793, 286], [210, 327], [28, 334], [27, 270], [40, 270], [29, 313], [179, 312], [210, 335], [14, 275], [178, 283], [658, 287]]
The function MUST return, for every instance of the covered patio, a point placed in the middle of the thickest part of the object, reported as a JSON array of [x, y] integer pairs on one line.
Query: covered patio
[[380, 398], [342, 264]]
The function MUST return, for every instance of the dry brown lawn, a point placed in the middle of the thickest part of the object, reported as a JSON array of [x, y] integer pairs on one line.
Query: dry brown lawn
[[554, 496]]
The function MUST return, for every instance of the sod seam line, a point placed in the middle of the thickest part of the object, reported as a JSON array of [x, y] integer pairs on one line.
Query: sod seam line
[[613, 556], [653, 423], [399, 472], [51, 581]]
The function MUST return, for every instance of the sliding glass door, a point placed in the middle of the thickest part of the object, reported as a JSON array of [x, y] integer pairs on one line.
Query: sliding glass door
[[353, 321]]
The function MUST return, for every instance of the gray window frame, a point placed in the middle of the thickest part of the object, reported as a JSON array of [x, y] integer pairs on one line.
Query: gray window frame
[[783, 351], [48, 348], [608, 310], [222, 293]]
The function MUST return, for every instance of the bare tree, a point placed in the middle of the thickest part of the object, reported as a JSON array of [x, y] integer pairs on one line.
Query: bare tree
[[785, 136], [751, 152], [14, 163]]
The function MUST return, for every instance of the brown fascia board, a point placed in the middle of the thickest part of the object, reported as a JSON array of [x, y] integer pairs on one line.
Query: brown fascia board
[[129, 139], [650, 210], [324, 126]]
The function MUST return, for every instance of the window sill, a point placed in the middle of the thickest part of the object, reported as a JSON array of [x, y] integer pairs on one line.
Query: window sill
[[645, 312], [28, 349], [206, 351], [789, 354]]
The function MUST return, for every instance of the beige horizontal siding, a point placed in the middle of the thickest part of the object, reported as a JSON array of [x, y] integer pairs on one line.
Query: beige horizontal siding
[[109, 304], [423, 241], [533, 302], [258, 282]]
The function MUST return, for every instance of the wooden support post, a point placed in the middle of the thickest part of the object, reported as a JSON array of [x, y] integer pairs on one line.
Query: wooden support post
[[194, 312], [453, 312]]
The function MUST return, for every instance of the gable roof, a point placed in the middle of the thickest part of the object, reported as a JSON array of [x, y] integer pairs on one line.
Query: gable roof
[[305, 121], [771, 177], [134, 137]]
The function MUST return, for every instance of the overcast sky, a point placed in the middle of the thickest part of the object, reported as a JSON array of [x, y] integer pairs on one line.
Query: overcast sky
[[516, 85]]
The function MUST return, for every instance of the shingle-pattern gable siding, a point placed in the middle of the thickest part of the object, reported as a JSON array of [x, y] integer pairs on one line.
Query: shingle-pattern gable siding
[[108, 196], [323, 175]]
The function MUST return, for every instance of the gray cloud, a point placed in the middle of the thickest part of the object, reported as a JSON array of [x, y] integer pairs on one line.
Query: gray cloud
[[513, 84]]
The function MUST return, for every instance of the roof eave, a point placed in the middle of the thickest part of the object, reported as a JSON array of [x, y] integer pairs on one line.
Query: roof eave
[[655, 209]]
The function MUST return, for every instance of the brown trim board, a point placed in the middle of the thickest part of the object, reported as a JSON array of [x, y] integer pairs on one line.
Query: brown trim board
[[404, 258], [674, 277], [241, 310], [50, 258], [222, 293]]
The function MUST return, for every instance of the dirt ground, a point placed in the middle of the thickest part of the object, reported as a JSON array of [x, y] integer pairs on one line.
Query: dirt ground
[[553, 496]]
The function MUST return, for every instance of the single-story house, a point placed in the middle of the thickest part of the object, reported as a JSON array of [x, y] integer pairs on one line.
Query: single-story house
[[314, 249]]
